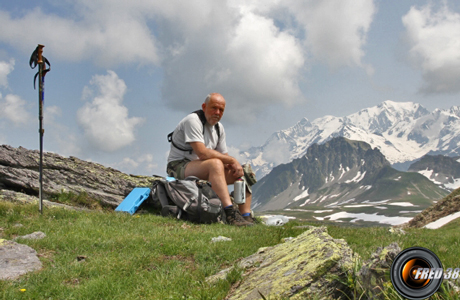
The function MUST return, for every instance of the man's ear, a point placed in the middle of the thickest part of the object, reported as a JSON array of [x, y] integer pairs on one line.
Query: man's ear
[[203, 106]]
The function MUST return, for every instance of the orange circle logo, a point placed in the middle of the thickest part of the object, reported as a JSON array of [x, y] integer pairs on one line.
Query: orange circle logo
[[416, 273]]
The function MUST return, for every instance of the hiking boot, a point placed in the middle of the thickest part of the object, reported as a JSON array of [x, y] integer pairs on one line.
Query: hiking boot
[[251, 219], [234, 217]]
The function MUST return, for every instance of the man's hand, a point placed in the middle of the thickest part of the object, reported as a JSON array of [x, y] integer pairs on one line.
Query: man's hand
[[236, 168], [230, 162]]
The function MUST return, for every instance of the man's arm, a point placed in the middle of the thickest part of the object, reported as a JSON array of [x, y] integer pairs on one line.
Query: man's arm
[[229, 161], [205, 153]]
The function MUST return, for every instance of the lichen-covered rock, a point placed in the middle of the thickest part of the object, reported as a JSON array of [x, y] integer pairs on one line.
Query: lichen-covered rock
[[312, 264], [375, 271], [19, 172]]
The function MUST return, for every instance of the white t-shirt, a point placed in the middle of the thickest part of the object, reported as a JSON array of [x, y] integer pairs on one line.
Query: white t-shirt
[[190, 129]]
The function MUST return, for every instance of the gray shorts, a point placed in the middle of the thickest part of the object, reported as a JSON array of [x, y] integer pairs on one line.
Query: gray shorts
[[176, 168]]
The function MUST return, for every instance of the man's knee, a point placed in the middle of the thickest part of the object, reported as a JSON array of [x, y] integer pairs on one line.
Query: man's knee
[[204, 169], [215, 165]]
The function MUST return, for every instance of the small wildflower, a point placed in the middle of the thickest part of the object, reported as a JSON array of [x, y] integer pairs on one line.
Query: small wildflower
[[22, 290]]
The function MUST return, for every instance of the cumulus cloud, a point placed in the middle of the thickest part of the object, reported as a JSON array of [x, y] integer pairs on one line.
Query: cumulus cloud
[[244, 56], [143, 164], [105, 120], [434, 41], [335, 31], [94, 33], [277, 152], [237, 153], [14, 109], [254, 53], [5, 69]]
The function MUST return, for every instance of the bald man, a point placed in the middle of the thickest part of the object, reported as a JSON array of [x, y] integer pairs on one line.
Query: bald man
[[197, 150]]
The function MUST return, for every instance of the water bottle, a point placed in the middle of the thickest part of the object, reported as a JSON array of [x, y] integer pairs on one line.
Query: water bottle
[[239, 191]]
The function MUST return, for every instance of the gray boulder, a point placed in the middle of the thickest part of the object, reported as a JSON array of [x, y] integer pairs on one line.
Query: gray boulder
[[312, 264], [17, 259]]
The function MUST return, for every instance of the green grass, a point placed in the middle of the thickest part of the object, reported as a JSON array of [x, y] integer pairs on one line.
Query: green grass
[[146, 256], [80, 200]]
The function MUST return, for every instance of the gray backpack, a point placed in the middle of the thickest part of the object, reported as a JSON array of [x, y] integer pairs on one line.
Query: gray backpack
[[190, 199]]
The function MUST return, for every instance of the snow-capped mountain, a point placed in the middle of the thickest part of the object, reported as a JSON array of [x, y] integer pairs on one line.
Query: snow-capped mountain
[[402, 131], [442, 170], [344, 175]]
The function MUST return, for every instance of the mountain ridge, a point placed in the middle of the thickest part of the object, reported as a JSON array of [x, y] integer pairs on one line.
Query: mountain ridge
[[344, 176], [442, 170], [402, 131]]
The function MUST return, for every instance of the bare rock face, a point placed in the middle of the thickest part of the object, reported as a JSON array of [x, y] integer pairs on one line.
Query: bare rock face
[[17, 259], [310, 265], [19, 172]]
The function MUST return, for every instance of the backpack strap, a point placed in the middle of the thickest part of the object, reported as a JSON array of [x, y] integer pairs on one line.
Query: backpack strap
[[160, 192], [200, 114], [202, 117]]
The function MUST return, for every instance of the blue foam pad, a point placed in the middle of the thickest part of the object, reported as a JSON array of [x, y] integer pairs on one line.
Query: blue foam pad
[[132, 202]]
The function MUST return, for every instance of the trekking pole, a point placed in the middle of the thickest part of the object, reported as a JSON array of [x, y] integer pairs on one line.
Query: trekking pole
[[37, 58]]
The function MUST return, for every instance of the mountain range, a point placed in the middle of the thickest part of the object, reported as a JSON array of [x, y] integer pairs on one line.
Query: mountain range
[[402, 131], [340, 173]]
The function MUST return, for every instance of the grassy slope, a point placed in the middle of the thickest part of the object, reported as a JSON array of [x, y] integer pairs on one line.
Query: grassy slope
[[147, 256]]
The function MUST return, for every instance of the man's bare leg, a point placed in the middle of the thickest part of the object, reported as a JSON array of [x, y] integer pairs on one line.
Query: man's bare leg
[[212, 170], [246, 207]]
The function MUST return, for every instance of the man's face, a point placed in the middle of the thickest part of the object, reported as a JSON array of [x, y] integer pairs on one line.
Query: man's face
[[214, 110]]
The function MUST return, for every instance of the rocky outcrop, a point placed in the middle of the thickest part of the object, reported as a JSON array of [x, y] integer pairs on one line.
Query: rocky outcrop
[[312, 264], [19, 172], [445, 207]]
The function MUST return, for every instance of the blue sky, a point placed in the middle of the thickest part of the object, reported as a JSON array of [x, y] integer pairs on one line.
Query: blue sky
[[123, 73]]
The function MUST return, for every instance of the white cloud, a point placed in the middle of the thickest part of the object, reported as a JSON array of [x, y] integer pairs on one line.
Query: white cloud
[[105, 120], [143, 164], [92, 33], [244, 56], [51, 112], [277, 152], [14, 109], [236, 153], [434, 40], [253, 53], [211, 46], [335, 31], [5, 69]]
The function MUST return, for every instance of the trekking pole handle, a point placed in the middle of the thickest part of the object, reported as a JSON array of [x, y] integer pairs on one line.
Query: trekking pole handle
[[40, 53]]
